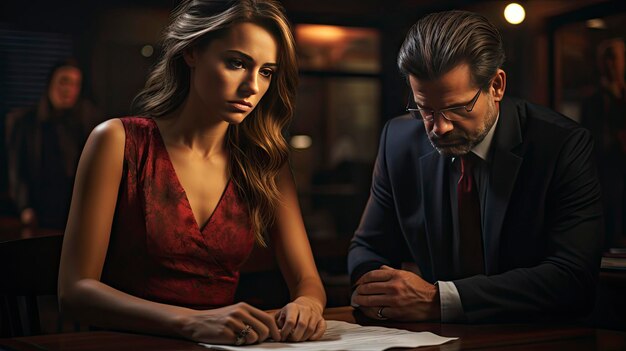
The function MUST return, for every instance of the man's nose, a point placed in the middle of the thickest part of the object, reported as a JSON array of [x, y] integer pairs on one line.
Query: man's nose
[[441, 125]]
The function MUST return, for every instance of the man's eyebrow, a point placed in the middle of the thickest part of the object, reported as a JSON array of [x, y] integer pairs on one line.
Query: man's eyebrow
[[250, 59]]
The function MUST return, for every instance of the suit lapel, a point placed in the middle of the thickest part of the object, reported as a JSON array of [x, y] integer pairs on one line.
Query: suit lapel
[[506, 164], [435, 197]]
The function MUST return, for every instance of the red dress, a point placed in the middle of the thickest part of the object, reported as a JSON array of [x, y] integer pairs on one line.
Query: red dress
[[157, 251]]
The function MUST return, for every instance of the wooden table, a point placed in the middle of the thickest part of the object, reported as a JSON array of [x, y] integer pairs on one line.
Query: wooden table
[[12, 229], [535, 337]]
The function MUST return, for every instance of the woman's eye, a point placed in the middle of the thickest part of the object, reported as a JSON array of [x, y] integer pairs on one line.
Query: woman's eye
[[266, 72], [235, 63]]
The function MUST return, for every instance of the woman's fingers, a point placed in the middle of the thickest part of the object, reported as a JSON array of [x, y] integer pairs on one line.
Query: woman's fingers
[[265, 325], [245, 330], [239, 324], [290, 313], [300, 323], [320, 328], [261, 324], [310, 328], [301, 326], [280, 319]]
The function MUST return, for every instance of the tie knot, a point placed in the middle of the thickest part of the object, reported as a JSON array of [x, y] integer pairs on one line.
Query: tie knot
[[468, 161]]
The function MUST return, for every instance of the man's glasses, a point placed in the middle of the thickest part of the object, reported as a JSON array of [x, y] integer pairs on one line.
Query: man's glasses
[[456, 113]]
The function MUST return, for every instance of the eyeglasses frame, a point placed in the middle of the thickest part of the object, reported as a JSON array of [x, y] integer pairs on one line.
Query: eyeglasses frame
[[416, 112]]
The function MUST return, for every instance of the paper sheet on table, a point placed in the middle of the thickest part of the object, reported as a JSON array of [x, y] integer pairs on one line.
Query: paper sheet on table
[[341, 336]]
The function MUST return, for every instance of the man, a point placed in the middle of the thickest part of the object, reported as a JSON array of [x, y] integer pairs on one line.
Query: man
[[495, 202], [604, 114]]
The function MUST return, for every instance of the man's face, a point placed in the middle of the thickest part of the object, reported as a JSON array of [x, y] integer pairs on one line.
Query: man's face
[[454, 89]]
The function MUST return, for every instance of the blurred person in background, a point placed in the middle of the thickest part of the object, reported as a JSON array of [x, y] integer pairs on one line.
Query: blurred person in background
[[43, 147], [604, 114]]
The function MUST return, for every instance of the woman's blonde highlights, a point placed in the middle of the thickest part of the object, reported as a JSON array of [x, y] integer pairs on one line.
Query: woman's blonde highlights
[[257, 147]]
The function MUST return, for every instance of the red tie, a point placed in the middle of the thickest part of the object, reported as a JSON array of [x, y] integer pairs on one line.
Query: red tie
[[470, 233]]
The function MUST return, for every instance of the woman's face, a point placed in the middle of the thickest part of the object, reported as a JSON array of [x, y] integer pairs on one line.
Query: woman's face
[[65, 87], [230, 76]]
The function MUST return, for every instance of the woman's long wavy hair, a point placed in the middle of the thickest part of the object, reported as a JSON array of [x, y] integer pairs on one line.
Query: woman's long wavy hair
[[257, 147]]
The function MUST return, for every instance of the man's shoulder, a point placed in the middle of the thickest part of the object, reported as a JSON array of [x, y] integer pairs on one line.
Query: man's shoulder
[[541, 115], [403, 141], [540, 123], [404, 127]]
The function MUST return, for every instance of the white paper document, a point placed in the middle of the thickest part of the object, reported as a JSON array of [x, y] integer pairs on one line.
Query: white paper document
[[343, 336]]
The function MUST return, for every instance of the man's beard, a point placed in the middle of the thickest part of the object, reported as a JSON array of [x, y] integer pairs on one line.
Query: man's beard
[[458, 142]]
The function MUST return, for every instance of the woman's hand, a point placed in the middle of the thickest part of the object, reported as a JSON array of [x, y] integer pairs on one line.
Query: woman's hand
[[301, 320], [226, 325]]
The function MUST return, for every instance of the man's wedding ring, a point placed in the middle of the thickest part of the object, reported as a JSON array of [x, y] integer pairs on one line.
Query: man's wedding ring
[[379, 314]]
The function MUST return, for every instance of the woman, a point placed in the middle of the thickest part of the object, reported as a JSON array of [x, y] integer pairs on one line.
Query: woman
[[166, 209], [46, 140]]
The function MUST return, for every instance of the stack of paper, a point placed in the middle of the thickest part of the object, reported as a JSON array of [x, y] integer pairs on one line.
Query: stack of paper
[[347, 336]]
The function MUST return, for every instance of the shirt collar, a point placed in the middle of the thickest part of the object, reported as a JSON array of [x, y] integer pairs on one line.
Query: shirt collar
[[482, 149]]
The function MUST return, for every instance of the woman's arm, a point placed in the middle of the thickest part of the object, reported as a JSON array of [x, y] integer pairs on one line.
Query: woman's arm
[[84, 250], [302, 319]]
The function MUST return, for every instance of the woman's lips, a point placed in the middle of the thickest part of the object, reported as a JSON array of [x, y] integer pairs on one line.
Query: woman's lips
[[241, 106]]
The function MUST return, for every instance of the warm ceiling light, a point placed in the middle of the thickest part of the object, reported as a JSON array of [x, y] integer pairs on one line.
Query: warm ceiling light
[[301, 142], [147, 50], [319, 33], [596, 23], [514, 13]]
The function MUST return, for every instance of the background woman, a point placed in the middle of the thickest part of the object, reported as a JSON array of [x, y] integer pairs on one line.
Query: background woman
[[43, 146]]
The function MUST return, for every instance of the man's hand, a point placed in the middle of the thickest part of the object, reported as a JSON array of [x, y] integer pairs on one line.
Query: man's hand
[[397, 294]]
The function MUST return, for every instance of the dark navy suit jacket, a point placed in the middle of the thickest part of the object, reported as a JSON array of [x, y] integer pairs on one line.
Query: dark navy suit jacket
[[543, 233]]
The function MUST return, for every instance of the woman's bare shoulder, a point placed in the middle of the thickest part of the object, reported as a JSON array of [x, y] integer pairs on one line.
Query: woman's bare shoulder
[[108, 132]]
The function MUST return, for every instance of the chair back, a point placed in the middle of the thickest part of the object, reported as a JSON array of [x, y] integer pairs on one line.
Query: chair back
[[28, 268]]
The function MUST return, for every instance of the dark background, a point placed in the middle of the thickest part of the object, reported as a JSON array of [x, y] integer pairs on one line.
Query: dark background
[[107, 36]]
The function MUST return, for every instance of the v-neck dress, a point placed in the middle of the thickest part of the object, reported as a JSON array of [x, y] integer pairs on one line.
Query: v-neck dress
[[157, 251]]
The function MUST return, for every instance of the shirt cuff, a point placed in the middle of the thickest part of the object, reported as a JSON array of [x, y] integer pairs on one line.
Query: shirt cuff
[[451, 307]]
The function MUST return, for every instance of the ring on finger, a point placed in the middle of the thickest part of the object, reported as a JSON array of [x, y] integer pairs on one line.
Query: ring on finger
[[241, 336], [380, 315]]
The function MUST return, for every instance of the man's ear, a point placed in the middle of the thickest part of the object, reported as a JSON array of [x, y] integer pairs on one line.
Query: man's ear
[[498, 85], [190, 56]]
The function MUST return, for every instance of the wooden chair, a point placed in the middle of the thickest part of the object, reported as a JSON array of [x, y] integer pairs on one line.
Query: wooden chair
[[28, 269]]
